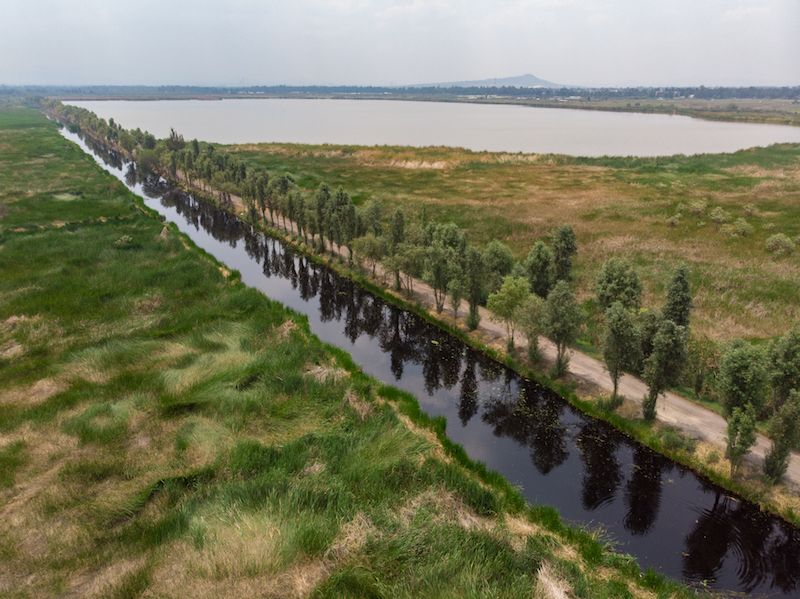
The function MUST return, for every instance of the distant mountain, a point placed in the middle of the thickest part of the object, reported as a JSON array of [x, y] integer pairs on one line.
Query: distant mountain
[[518, 81]]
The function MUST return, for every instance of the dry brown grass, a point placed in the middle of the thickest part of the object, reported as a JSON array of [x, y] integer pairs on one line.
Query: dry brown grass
[[360, 406], [324, 373], [550, 586]]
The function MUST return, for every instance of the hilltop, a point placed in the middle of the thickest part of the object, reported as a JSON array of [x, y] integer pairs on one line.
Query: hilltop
[[526, 80]]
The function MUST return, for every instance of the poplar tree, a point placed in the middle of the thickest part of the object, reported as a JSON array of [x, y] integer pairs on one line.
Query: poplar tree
[[397, 236], [437, 272], [505, 302], [741, 436], [784, 369], [322, 200], [678, 305], [474, 276], [564, 247], [456, 289], [743, 377], [498, 261], [562, 319], [529, 317], [785, 434], [620, 344], [664, 364], [540, 267]]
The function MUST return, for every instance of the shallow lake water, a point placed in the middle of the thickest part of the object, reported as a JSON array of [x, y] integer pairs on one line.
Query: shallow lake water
[[493, 127], [665, 515]]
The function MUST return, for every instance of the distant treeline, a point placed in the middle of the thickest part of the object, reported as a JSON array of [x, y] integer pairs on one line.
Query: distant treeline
[[584, 93]]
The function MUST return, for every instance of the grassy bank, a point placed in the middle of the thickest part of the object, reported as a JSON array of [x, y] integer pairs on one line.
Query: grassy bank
[[656, 212], [167, 431]]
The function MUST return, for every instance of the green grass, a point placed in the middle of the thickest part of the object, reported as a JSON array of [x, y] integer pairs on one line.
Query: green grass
[[161, 437]]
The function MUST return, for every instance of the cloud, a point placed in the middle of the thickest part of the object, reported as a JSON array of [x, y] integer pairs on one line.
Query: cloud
[[591, 42], [745, 13]]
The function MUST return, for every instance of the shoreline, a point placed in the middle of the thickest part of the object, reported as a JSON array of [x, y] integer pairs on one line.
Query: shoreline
[[653, 108]]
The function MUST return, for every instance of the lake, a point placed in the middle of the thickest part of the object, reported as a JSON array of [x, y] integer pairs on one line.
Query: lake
[[492, 127]]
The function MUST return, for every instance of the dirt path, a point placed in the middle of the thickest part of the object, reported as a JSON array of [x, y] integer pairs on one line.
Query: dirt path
[[694, 420]]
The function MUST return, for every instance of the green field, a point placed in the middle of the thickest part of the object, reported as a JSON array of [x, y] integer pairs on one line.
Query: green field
[[167, 432], [656, 212]]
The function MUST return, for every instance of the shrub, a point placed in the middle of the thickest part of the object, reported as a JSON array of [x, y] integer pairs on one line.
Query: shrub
[[698, 207], [674, 220], [720, 215], [124, 242], [674, 441], [740, 228], [780, 245], [749, 210]]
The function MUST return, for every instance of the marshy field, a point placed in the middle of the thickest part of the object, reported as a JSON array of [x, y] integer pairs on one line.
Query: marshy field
[[716, 213], [166, 431]]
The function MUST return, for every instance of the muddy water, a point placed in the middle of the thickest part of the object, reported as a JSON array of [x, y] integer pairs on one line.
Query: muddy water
[[670, 519], [497, 128]]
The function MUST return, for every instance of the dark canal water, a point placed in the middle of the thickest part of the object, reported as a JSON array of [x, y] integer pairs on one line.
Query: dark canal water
[[670, 519]]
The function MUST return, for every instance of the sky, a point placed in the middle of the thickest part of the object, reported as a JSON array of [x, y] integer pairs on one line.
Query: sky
[[391, 42]]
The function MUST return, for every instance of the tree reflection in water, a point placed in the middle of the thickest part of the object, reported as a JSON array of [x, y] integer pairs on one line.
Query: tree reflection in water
[[533, 420], [601, 475], [643, 491]]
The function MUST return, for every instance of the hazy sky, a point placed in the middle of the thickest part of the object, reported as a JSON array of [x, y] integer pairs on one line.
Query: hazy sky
[[249, 42]]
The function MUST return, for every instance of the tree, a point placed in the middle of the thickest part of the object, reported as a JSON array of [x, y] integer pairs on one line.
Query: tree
[[498, 261], [529, 317], [437, 272], [505, 302], [300, 214], [679, 298], [741, 435], [448, 235], [474, 269], [348, 226], [562, 320], [648, 322], [175, 142], [784, 431], [372, 218], [456, 288], [564, 247], [621, 343], [410, 261], [784, 371], [397, 230], [703, 358], [372, 248], [397, 236], [322, 202], [618, 282], [664, 364], [540, 266], [743, 377]]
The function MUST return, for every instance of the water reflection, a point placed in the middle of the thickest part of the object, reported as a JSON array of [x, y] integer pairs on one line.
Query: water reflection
[[643, 491], [660, 512]]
